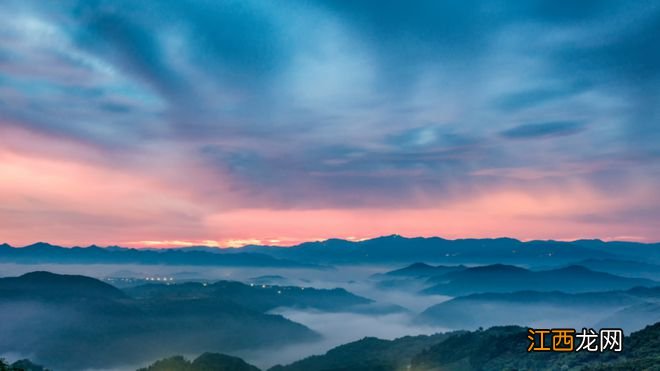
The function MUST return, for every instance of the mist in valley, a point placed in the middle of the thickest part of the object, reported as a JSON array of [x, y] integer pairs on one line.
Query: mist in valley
[[374, 304], [390, 315], [337, 329]]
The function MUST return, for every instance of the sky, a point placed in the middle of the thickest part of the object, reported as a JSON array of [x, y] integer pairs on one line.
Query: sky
[[225, 123]]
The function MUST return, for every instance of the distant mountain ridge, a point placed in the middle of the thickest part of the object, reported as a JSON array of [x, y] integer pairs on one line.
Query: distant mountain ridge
[[42, 252], [535, 307], [386, 249], [497, 278], [457, 280], [396, 248], [623, 267]]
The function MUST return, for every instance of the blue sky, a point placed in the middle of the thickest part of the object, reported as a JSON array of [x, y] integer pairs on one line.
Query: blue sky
[[186, 116]]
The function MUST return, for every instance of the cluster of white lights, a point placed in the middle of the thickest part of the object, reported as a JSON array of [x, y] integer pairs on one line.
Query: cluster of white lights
[[159, 279]]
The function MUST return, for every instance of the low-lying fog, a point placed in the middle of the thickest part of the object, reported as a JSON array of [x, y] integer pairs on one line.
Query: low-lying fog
[[335, 328]]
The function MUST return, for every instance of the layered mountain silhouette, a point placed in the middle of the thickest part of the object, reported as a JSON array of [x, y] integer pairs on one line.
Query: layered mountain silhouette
[[547, 309], [40, 253], [623, 267], [76, 322], [460, 280], [507, 278], [504, 348], [396, 248], [413, 277], [368, 354], [497, 348], [387, 249]]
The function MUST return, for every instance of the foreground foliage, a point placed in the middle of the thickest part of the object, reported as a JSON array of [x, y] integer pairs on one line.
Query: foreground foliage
[[497, 348]]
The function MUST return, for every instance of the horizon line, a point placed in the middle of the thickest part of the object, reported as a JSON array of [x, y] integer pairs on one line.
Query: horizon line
[[182, 244]]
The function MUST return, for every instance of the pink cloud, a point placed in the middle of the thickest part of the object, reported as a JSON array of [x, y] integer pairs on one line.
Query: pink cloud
[[69, 193]]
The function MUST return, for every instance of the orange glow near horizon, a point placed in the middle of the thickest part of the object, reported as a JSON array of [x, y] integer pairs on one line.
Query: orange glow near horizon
[[73, 203]]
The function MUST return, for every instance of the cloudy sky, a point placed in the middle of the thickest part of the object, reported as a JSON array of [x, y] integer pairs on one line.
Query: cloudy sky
[[147, 123]]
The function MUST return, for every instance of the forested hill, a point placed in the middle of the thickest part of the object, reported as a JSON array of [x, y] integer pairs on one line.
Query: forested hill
[[497, 348]]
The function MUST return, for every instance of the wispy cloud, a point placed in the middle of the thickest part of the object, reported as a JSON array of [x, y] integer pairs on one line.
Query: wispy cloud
[[543, 130]]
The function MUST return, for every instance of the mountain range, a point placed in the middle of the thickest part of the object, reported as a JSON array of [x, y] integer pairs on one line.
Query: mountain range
[[396, 248], [41, 252], [387, 249], [548, 309], [458, 280], [508, 278], [72, 322]]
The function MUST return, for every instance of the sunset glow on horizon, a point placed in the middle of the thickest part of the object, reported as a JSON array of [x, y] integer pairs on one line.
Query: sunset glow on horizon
[[172, 124]]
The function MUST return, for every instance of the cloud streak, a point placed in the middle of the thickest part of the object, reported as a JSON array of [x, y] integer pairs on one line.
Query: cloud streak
[[542, 130]]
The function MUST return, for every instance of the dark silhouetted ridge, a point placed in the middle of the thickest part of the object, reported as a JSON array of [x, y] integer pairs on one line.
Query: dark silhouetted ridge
[[46, 284]]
